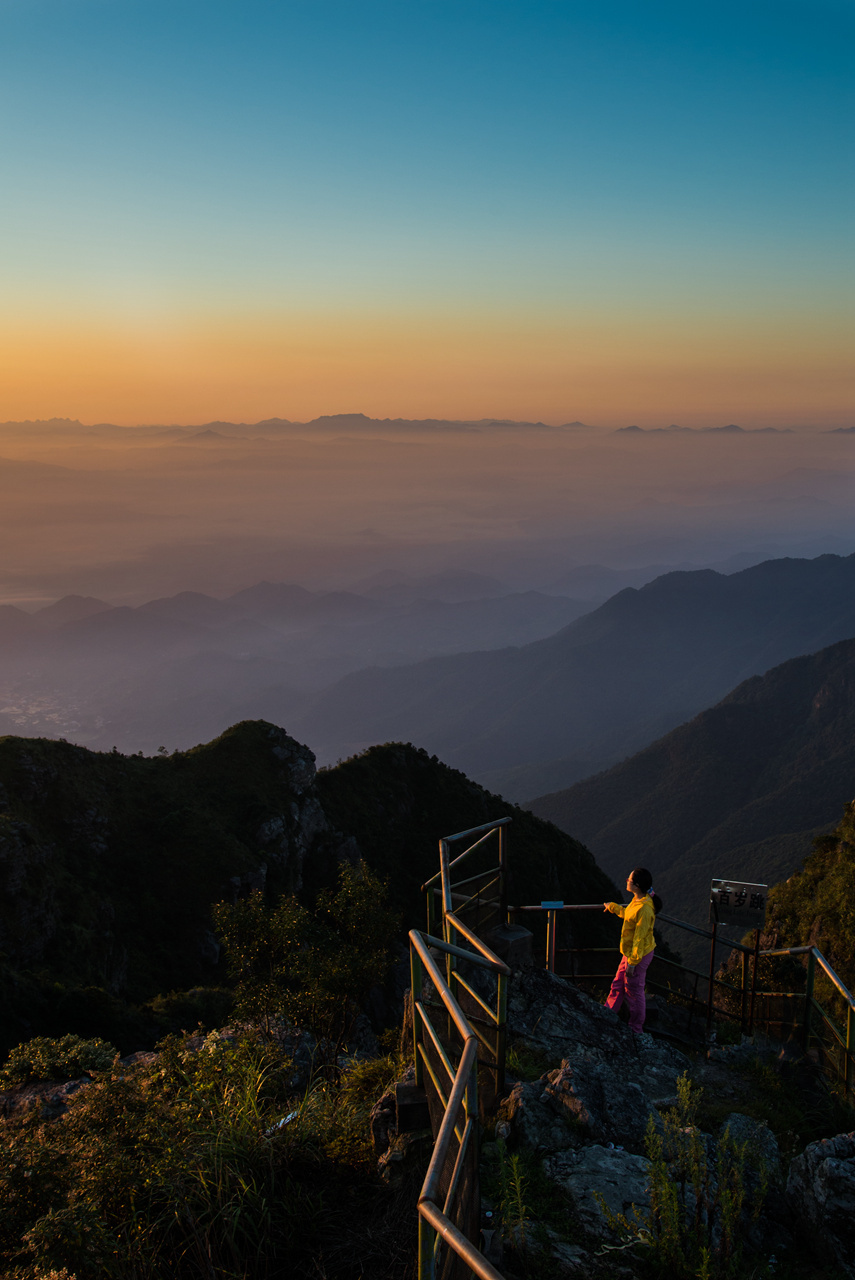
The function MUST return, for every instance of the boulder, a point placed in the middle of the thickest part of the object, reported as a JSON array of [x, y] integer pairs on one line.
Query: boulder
[[610, 1081], [383, 1123], [821, 1196], [528, 1117], [765, 1230], [761, 1145], [620, 1177], [407, 1155], [565, 1022], [601, 1102]]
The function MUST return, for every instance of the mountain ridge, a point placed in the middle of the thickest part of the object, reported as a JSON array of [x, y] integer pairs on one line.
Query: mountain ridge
[[741, 790], [606, 684]]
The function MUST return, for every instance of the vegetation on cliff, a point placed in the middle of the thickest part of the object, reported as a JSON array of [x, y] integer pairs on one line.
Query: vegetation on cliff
[[182, 1165], [110, 866], [816, 906]]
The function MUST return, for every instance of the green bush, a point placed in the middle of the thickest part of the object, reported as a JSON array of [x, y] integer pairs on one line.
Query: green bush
[[309, 968], [200, 1163], [177, 1011], [65, 1058], [159, 1170]]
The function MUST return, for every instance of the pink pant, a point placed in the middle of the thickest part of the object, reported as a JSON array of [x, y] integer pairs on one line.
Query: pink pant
[[629, 982]]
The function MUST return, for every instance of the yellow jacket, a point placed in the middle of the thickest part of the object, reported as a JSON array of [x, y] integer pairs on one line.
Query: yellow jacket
[[636, 936]]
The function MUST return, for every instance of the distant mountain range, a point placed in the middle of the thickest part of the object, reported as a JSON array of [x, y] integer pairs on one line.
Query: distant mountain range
[[337, 422], [517, 698], [349, 422], [740, 791], [601, 688], [174, 670]]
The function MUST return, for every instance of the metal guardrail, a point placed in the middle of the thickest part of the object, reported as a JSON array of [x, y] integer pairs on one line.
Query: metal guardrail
[[450, 1202], [837, 1059], [451, 1034]]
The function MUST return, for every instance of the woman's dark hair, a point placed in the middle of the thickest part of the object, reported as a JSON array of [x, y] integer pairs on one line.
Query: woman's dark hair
[[643, 881]]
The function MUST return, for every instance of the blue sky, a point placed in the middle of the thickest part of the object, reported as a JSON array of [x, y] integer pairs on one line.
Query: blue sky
[[212, 164]]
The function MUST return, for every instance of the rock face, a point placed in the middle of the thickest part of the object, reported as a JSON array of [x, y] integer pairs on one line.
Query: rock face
[[587, 1119], [109, 863], [610, 1081], [619, 1177], [821, 1195]]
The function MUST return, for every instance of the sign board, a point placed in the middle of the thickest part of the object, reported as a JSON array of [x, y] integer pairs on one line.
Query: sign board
[[732, 902]]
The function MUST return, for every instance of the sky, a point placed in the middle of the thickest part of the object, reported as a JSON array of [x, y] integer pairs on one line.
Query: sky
[[606, 211]]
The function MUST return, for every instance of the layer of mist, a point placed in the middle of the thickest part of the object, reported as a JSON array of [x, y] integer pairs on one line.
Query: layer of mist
[[131, 514], [162, 582]]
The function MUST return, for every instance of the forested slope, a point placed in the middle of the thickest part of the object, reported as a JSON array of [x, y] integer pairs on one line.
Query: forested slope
[[740, 791]]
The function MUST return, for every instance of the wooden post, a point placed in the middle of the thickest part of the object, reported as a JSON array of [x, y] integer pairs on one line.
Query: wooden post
[[850, 1046], [754, 980], [712, 978]]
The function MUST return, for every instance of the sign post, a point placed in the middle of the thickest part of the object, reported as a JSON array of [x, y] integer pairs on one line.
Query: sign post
[[734, 902]]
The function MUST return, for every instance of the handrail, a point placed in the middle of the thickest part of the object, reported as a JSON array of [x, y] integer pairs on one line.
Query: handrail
[[461, 1246], [845, 1036], [487, 827], [473, 831], [817, 955], [439, 982], [486, 961], [482, 948], [435, 1225], [463, 1088]]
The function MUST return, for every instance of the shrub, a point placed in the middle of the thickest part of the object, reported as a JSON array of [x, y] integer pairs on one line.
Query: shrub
[[698, 1193], [65, 1058], [168, 1168], [309, 968]]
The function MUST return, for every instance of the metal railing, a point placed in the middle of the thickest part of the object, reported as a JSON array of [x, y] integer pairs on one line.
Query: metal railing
[[459, 1028], [462, 910], [449, 1042], [712, 996]]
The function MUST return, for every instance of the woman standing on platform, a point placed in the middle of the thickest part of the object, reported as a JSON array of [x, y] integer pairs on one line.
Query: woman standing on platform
[[636, 945]]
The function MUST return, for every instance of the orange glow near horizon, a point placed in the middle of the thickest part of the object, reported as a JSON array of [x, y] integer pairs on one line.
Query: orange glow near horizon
[[644, 369]]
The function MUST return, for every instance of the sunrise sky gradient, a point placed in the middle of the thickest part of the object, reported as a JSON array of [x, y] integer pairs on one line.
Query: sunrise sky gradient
[[598, 209]]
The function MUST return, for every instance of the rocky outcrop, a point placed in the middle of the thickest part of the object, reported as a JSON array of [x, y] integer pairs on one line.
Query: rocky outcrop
[[109, 864], [610, 1082], [595, 1175], [821, 1196], [587, 1117]]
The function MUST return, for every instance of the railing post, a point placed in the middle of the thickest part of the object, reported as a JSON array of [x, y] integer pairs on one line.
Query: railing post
[[551, 930], [447, 905], [809, 980], [427, 1257], [711, 994], [754, 980], [416, 980], [502, 1031], [503, 883], [850, 1046]]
